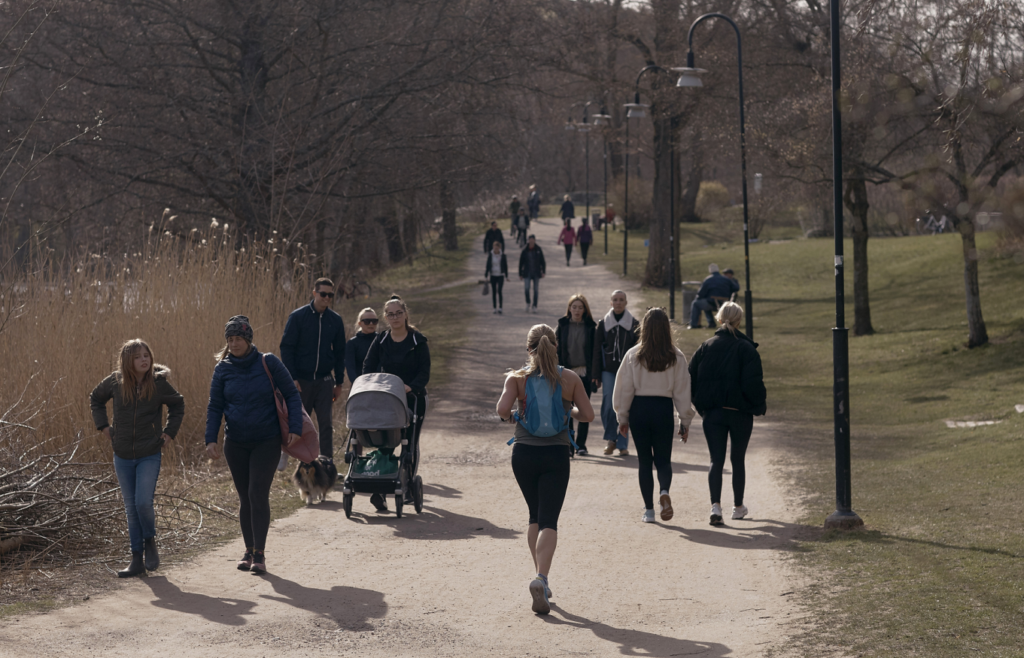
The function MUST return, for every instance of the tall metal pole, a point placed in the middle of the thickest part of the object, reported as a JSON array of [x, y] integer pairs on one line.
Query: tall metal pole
[[587, 137], [747, 297], [844, 516], [605, 191], [672, 224], [625, 209]]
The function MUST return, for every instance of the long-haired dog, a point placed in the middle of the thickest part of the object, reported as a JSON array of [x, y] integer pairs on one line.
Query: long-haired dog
[[315, 479]]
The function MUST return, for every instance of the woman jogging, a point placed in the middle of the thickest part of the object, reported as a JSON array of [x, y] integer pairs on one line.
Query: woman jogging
[[568, 238], [140, 389], [357, 346], [575, 347], [541, 463], [652, 377], [728, 386], [584, 238], [496, 271], [242, 393], [567, 211], [402, 350]]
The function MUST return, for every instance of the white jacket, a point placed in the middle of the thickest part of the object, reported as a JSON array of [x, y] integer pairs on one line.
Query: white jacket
[[633, 379]]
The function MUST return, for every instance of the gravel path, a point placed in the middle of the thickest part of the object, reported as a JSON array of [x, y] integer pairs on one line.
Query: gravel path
[[453, 581]]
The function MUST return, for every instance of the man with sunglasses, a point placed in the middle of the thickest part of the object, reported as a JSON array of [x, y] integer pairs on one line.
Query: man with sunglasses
[[312, 348]]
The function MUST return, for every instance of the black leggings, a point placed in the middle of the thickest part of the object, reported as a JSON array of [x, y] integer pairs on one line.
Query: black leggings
[[568, 252], [584, 248], [543, 476], [497, 283], [252, 468], [718, 425], [652, 422]]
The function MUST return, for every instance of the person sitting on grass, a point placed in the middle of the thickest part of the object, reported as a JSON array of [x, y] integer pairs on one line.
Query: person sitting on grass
[[714, 290]]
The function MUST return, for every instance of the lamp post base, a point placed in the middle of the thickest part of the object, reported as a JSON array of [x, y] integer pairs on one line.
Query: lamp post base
[[838, 520]]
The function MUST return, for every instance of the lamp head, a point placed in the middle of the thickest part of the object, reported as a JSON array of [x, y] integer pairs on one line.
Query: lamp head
[[602, 119], [636, 110], [689, 76]]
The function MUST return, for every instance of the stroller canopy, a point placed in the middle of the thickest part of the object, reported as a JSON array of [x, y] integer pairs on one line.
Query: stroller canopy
[[377, 401]]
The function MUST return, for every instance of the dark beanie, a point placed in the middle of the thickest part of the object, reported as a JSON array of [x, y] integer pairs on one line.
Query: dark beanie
[[238, 326]]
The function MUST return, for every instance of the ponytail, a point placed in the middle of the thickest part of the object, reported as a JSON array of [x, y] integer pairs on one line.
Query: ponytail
[[542, 345]]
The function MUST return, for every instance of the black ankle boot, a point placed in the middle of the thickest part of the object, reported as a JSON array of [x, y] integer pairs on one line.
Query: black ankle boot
[[152, 557], [133, 569]]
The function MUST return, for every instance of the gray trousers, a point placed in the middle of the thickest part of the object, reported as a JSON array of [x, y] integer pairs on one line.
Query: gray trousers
[[317, 396]]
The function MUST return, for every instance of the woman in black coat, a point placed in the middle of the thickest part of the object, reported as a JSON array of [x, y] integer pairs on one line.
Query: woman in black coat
[[568, 210], [728, 391], [575, 346], [496, 271]]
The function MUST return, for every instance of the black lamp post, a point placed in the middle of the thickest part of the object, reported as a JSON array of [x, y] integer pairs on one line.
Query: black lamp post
[[639, 112], [690, 77], [844, 517], [604, 119], [635, 110]]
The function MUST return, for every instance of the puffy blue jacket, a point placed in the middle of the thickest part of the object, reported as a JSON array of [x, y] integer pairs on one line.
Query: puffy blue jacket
[[313, 344], [242, 393]]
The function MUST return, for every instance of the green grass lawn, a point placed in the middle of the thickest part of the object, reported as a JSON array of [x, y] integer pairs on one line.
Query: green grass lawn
[[939, 569]]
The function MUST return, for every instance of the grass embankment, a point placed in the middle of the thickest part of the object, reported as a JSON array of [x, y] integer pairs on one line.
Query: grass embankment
[[939, 569]]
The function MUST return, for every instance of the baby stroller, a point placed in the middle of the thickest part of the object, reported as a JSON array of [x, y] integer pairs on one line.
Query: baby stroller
[[379, 417]]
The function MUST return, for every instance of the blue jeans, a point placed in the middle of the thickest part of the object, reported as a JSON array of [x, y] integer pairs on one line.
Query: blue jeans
[[705, 305], [137, 478], [611, 422], [526, 287]]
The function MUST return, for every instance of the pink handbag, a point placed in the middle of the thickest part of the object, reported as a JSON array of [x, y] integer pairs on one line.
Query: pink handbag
[[305, 449]]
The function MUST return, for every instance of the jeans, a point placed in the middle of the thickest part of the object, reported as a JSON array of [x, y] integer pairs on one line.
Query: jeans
[[719, 424], [497, 283], [611, 423], [318, 395], [137, 478], [536, 288], [706, 305], [584, 428], [653, 421], [252, 467]]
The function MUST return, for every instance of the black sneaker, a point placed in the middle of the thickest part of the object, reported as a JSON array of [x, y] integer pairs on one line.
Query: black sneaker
[[246, 562], [380, 502], [583, 452]]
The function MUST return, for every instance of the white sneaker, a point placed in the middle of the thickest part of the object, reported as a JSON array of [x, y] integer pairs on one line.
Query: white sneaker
[[648, 516], [534, 310], [716, 514], [283, 463], [740, 512], [527, 308]]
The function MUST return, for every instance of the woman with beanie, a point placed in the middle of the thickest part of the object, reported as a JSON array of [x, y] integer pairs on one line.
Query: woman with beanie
[[243, 394], [652, 377], [402, 350], [575, 345], [541, 463], [728, 386], [140, 389]]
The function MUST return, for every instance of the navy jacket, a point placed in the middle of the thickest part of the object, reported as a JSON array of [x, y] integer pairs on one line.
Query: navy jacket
[[718, 285], [409, 359], [313, 344], [355, 353], [531, 263], [242, 393]]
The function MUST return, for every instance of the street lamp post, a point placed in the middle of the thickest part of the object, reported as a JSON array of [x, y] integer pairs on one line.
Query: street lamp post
[[635, 110], [604, 119], [844, 517], [690, 77]]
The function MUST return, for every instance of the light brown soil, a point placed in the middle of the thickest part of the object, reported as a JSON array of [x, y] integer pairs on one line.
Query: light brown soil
[[453, 581]]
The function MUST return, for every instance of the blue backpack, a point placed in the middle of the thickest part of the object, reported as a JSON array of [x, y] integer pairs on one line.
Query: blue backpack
[[545, 415]]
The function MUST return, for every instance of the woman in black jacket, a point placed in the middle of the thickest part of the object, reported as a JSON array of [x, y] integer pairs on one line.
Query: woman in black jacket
[[575, 346], [728, 391], [402, 350], [358, 346], [568, 211], [139, 389], [496, 271]]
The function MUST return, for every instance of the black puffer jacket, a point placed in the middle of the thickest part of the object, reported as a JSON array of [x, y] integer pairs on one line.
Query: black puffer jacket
[[137, 427], [725, 371]]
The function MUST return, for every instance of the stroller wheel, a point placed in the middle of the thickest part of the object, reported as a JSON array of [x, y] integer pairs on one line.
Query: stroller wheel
[[417, 494], [346, 504], [398, 506]]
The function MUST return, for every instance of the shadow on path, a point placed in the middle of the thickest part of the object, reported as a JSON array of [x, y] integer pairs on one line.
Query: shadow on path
[[678, 468], [755, 534], [435, 523], [212, 608], [639, 643], [350, 608]]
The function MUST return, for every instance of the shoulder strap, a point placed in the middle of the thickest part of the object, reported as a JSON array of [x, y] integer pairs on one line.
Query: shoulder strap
[[263, 360]]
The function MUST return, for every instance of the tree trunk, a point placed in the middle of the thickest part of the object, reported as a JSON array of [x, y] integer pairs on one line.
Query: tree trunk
[[976, 332], [449, 233], [856, 202], [688, 199], [658, 272]]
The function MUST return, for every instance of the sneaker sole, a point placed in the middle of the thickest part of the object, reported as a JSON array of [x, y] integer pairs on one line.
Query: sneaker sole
[[646, 520], [666, 510], [737, 517], [257, 570], [540, 602], [716, 520], [243, 567]]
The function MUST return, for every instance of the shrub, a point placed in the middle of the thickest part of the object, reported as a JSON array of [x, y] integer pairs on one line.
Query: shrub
[[711, 197]]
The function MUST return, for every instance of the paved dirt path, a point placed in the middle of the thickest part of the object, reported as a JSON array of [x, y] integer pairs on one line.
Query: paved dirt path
[[453, 581]]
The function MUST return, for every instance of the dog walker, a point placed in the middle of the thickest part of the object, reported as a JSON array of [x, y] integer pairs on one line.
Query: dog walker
[[378, 416]]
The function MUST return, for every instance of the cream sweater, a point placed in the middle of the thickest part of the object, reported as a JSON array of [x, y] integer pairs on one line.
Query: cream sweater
[[633, 379]]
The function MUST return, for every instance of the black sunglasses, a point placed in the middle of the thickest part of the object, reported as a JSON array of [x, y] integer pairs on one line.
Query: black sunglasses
[[370, 321], [329, 295]]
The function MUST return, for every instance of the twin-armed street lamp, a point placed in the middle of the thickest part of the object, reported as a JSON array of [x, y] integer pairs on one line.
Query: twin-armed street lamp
[[602, 119]]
